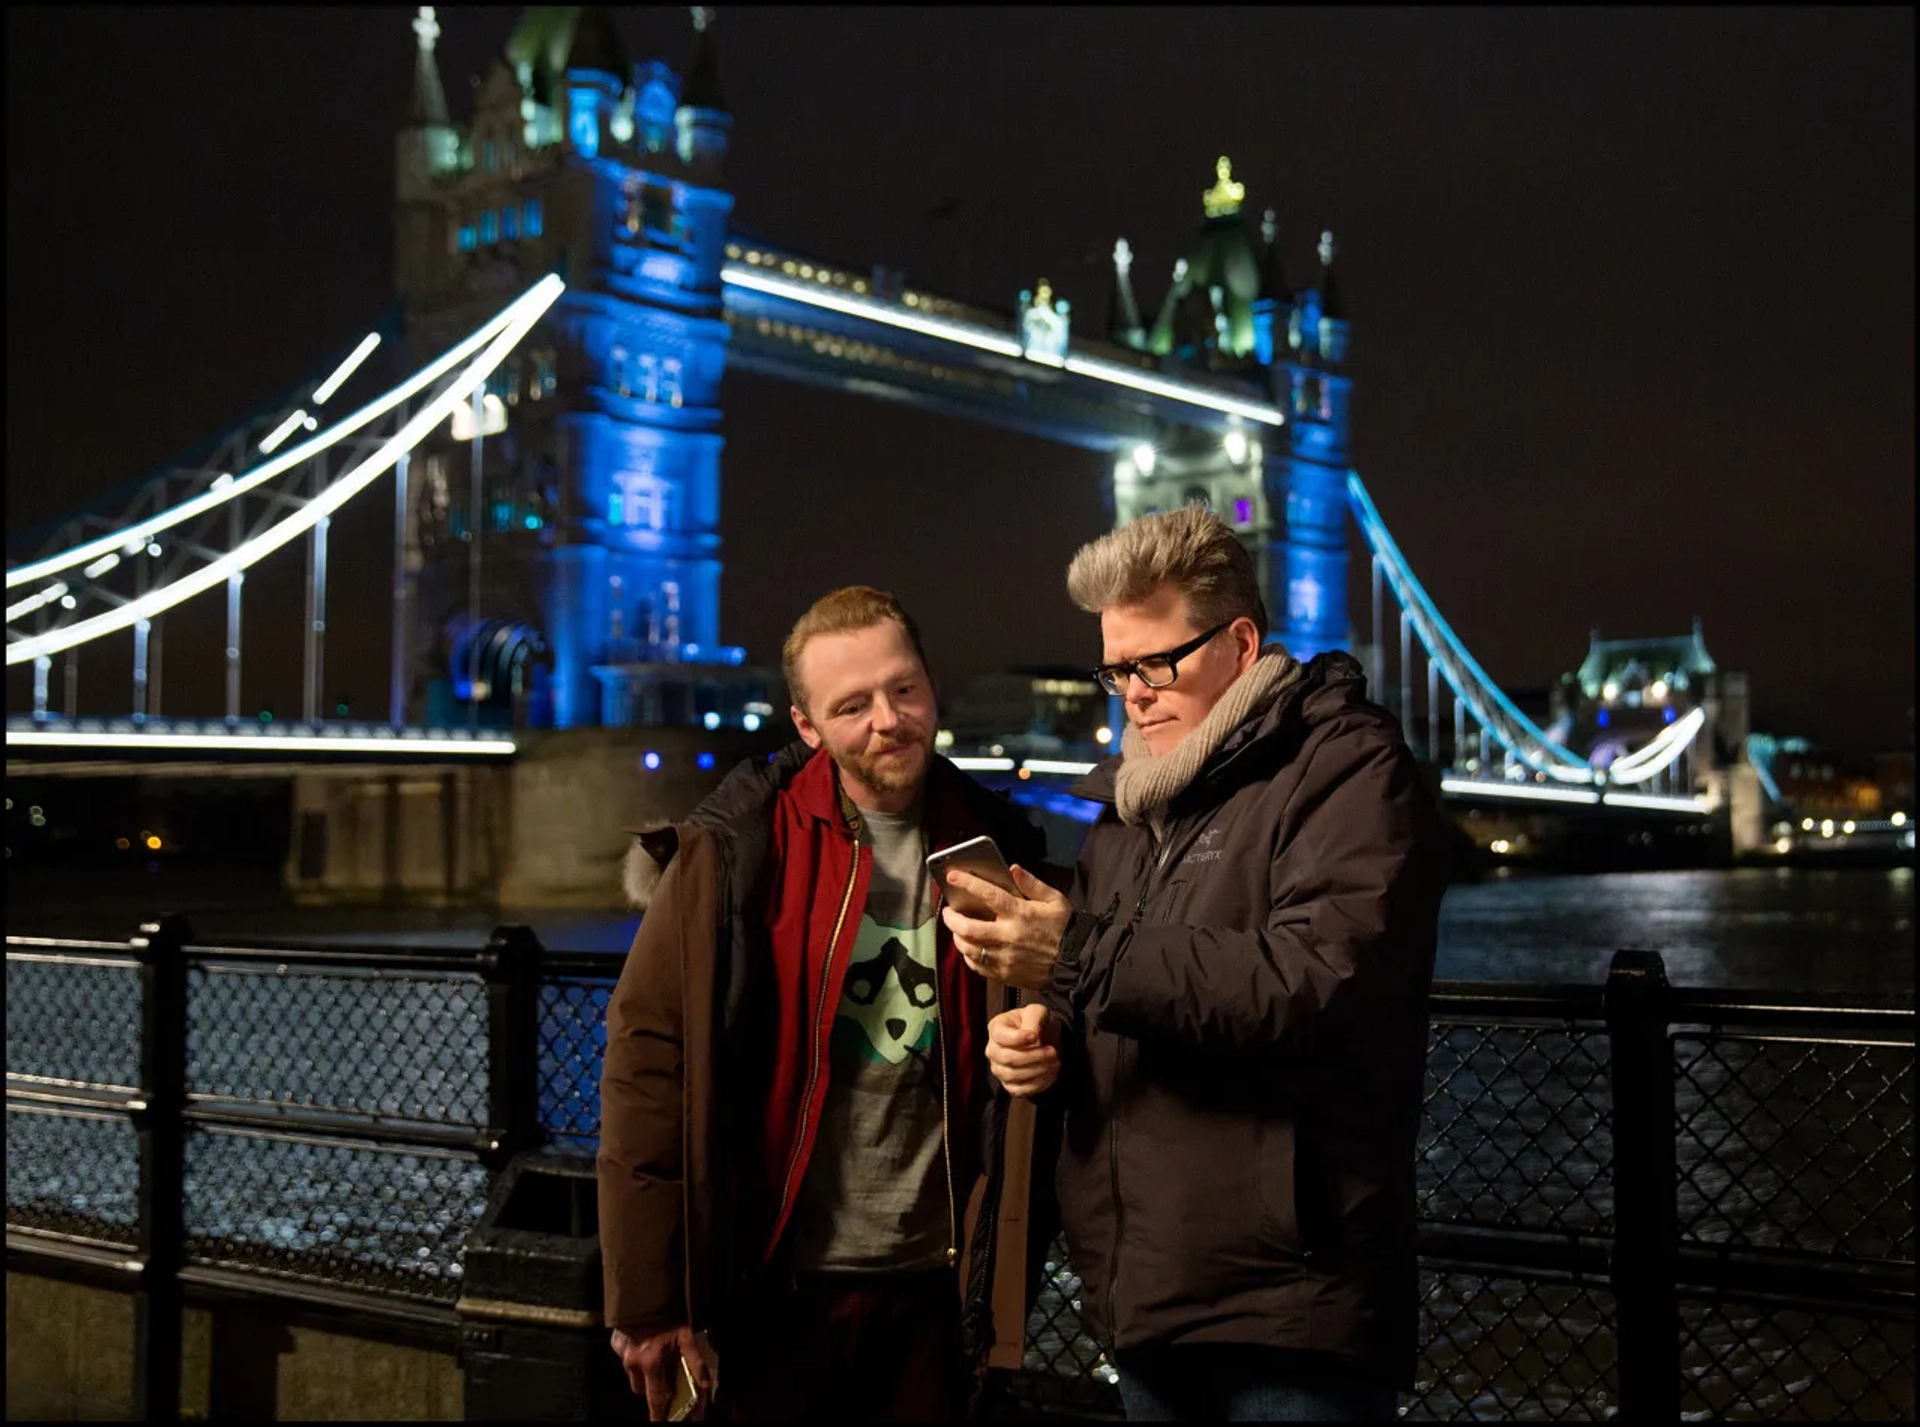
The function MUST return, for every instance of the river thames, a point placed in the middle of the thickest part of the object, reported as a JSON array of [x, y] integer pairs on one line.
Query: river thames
[[1774, 929]]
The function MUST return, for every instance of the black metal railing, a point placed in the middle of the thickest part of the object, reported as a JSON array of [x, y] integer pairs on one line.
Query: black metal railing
[[1636, 1200]]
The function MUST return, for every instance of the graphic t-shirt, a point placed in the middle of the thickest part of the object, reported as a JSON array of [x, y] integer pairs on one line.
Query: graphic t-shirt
[[875, 1196]]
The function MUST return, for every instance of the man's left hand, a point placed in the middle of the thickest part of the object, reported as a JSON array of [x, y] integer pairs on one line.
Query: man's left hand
[[1019, 943]]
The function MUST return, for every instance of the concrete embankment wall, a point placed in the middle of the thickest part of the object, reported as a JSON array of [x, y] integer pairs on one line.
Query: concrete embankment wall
[[70, 1358]]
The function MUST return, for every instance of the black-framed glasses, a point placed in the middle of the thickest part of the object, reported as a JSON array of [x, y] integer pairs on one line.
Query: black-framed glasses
[[1156, 671]]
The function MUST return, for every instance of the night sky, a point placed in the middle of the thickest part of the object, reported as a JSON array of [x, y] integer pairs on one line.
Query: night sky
[[1631, 299]]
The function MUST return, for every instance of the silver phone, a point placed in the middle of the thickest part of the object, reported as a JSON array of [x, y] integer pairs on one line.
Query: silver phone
[[980, 856]]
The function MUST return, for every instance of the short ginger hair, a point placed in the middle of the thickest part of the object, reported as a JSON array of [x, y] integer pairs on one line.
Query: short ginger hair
[[844, 610]]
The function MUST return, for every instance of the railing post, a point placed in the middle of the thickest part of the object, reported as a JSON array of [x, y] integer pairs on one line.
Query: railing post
[[160, 1125], [1645, 1175], [510, 966]]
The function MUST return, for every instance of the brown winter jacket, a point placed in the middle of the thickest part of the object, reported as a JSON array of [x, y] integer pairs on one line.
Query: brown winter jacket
[[1246, 1011], [684, 1217]]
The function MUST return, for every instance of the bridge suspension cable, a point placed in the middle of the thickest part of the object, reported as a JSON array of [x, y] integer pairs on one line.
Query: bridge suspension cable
[[140, 531], [1483, 699], [1476, 695], [494, 341]]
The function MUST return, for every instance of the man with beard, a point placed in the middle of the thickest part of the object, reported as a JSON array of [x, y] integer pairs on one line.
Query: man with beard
[[801, 1147]]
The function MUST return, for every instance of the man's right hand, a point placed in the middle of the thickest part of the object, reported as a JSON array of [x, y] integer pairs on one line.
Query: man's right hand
[[1023, 1049], [653, 1366]]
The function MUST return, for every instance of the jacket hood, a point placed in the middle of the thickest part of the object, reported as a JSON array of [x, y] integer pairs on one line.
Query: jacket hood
[[1334, 685], [741, 797]]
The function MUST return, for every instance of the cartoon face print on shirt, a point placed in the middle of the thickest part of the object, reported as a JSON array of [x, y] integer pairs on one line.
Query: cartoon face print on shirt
[[889, 1004]]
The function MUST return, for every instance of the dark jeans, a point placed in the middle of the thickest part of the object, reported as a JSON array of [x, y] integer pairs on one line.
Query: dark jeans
[[843, 1346], [1244, 1382]]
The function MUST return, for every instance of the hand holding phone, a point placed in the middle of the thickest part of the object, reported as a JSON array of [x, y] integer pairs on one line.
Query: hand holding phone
[[980, 856], [688, 1396]]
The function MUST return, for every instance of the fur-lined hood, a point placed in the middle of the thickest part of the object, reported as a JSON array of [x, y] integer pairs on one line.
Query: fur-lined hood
[[745, 793]]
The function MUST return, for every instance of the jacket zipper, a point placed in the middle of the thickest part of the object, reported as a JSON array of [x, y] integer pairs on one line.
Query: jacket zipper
[[1113, 1115], [819, 1015]]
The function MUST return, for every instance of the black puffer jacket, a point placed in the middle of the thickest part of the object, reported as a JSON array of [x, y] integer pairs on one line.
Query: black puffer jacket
[[1246, 1011]]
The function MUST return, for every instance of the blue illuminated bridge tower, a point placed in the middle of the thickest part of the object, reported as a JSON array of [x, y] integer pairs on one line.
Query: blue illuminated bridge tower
[[563, 551], [579, 514]]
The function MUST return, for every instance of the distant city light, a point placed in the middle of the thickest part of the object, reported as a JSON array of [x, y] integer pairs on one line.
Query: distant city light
[[1143, 457], [1785, 844], [1657, 689], [704, 761], [750, 722], [1806, 824], [1236, 444], [1499, 844], [1610, 690], [153, 843], [1899, 819], [1847, 827], [1103, 735], [710, 719], [1826, 828], [651, 759]]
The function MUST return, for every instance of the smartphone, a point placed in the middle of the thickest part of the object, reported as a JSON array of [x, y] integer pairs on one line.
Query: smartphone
[[980, 856], [686, 1392]]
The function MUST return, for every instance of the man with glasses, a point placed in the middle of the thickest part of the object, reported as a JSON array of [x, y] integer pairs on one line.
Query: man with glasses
[[1233, 1003]]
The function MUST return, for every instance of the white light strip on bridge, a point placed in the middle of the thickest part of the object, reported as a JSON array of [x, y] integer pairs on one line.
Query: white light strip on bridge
[[33, 602], [1056, 765], [1661, 752], [271, 742], [1177, 391], [983, 765], [1655, 803], [965, 333], [1522, 791], [985, 339], [281, 432], [225, 490], [527, 312], [346, 369]]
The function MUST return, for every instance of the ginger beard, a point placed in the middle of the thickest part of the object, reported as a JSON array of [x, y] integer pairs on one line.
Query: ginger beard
[[895, 764]]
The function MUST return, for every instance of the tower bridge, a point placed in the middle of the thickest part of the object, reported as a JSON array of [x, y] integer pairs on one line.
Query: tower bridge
[[573, 292]]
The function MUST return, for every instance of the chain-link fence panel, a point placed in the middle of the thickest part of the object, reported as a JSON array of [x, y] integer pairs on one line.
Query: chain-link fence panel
[[399, 1046], [1797, 1144], [573, 1044], [1066, 1373], [390, 1220], [1517, 1132], [1512, 1347], [74, 1173], [1747, 1362], [74, 1019]]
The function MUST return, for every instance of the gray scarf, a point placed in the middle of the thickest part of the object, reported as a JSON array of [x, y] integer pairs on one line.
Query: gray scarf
[[1147, 784]]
